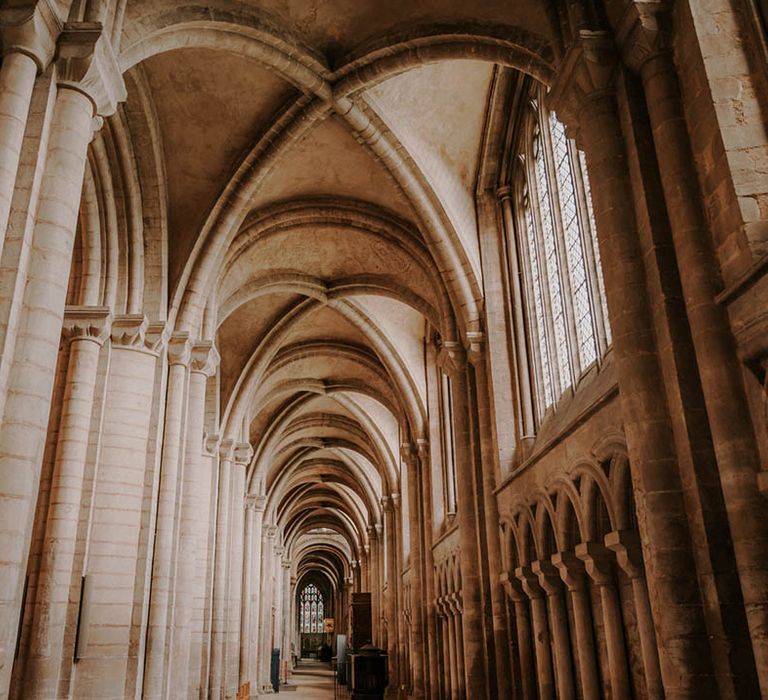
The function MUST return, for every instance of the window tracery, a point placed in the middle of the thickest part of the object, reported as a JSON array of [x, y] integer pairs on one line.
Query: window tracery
[[311, 612], [567, 320]]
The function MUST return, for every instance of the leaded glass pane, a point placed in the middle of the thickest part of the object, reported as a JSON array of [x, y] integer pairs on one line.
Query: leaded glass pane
[[539, 333], [573, 247], [595, 246], [553, 269]]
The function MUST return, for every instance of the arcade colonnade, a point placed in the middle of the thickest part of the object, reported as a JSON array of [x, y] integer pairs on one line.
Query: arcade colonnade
[[463, 305]]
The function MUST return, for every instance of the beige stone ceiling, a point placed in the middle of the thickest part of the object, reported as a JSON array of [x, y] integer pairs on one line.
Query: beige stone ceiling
[[320, 180]]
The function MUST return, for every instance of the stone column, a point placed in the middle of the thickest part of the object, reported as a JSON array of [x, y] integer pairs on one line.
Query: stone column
[[544, 674], [219, 621], [449, 659], [626, 546], [418, 625], [515, 592], [185, 668], [374, 573], [391, 597], [455, 608], [572, 572], [252, 591], [598, 566], [489, 463], [243, 455], [285, 652], [397, 515], [28, 38], [718, 364], [549, 580], [86, 87], [584, 98], [452, 361], [86, 329], [265, 617], [157, 676], [107, 656]]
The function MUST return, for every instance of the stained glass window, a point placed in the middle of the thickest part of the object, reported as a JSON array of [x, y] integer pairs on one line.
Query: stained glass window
[[311, 613], [567, 316]]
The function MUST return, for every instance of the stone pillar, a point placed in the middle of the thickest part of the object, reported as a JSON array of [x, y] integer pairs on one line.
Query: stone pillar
[[86, 87], [599, 567], [107, 656], [28, 38], [549, 580], [418, 625], [397, 516], [391, 597], [456, 611], [243, 455], [584, 98], [219, 621], [374, 573], [626, 546], [251, 589], [718, 364], [193, 554], [157, 675], [265, 617], [86, 329], [489, 459], [544, 674], [285, 647], [452, 361], [572, 572], [513, 587]]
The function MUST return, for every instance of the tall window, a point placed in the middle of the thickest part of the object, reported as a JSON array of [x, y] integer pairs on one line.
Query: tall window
[[563, 281], [311, 610]]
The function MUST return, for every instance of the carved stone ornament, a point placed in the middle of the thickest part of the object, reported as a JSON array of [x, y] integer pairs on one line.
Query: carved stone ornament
[[87, 63], [86, 323], [243, 453], [129, 330], [204, 358], [451, 357], [644, 31], [179, 349], [31, 29]]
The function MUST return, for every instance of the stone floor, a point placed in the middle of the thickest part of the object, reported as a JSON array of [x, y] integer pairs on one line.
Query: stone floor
[[313, 680]]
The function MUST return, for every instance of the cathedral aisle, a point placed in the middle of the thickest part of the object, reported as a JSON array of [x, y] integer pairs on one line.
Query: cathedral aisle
[[313, 681]]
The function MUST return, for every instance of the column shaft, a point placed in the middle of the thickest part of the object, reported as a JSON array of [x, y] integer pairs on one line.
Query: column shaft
[[30, 382], [417, 611]]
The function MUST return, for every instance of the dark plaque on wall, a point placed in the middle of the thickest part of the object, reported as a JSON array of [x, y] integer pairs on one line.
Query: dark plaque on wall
[[361, 620]]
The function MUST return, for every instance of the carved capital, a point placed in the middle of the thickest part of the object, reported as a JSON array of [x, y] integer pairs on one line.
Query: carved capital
[[156, 336], [286, 564], [475, 347], [422, 447], [386, 504], [129, 331], [451, 359], [408, 453], [625, 544], [512, 587], [179, 349], [87, 323], [571, 569], [644, 31], [87, 63], [211, 442], [379, 528], [529, 582], [256, 503], [243, 453], [588, 72], [227, 449], [548, 575], [503, 193], [31, 29], [204, 358], [597, 562], [278, 550], [271, 532], [395, 500]]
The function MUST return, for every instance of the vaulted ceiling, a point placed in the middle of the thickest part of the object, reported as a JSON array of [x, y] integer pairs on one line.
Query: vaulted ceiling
[[320, 162]]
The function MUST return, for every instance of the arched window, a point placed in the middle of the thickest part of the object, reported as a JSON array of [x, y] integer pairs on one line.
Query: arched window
[[311, 613], [567, 320]]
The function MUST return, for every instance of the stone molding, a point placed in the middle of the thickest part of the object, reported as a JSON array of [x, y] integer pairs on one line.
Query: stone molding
[[475, 347], [156, 336], [32, 31], [179, 349], [644, 31], [270, 531], [204, 358], [451, 358], [87, 323], [597, 562], [129, 331], [226, 449], [87, 63], [256, 503], [243, 453], [211, 443], [625, 544], [588, 72]]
